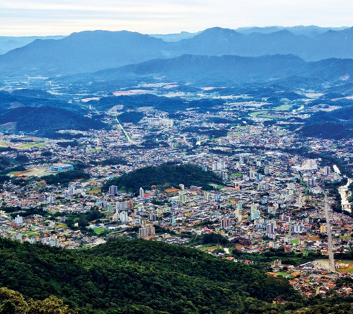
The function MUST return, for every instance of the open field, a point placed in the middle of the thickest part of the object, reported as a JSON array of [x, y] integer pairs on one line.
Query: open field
[[283, 108], [209, 248], [96, 191], [61, 226], [31, 233], [343, 269], [35, 172], [31, 145], [349, 269], [346, 237], [99, 230]]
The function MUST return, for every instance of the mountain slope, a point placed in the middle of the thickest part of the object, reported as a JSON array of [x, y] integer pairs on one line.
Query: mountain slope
[[211, 69], [45, 119], [126, 276], [83, 52], [34, 98], [8, 43], [337, 124]]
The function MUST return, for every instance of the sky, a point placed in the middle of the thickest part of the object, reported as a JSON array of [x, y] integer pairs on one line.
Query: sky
[[63, 17]]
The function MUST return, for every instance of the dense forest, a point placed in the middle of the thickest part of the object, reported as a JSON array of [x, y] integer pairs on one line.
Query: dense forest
[[47, 119], [335, 124], [126, 276], [138, 276], [168, 175]]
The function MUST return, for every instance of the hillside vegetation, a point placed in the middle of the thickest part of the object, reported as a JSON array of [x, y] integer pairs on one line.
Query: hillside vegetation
[[137, 277], [47, 119], [168, 175], [335, 124]]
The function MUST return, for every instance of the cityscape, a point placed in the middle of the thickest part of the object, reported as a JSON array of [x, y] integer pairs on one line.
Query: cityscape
[[270, 194], [176, 157]]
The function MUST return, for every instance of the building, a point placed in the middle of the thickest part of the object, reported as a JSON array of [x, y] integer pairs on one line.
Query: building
[[219, 165], [113, 190], [147, 231], [61, 167], [254, 212], [123, 216], [271, 229], [142, 193], [297, 228], [182, 197], [226, 223], [18, 220]]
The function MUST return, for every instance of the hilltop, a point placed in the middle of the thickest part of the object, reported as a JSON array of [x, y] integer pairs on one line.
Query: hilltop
[[168, 175], [44, 120]]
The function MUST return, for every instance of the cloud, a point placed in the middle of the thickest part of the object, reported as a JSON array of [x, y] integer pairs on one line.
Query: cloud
[[44, 17]]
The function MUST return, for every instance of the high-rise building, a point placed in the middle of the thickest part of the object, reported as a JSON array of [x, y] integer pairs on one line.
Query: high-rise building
[[72, 189], [123, 216], [18, 220], [142, 193], [252, 174], [226, 223], [238, 215], [254, 212], [113, 190], [147, 231], [182, 197], [271, 229], [297, 228], [219, 165], [173, 220]]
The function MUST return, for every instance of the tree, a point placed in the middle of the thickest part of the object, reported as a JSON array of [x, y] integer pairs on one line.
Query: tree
[[12, 302], [51, 305]]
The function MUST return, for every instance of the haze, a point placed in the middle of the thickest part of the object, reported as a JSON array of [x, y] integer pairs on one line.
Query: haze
[[52, 17]]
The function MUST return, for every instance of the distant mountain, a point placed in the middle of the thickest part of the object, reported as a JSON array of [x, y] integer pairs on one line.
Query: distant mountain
[[8, 43], [83, 52], [45, 120], [175, 37], [310, 31], [220, 41], [97, 50], [234, 69]]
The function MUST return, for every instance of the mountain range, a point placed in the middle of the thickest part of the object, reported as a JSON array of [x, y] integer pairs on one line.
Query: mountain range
[[228, 70], [8, 43], [91, 51]]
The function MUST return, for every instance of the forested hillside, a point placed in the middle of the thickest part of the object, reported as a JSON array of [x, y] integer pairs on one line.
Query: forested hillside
[[123, 276], [168, 175], [138, 276]]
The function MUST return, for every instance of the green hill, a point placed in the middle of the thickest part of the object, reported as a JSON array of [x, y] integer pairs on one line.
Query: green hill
[[168, 175], [46, 119], [137, 277], [335, 124]]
